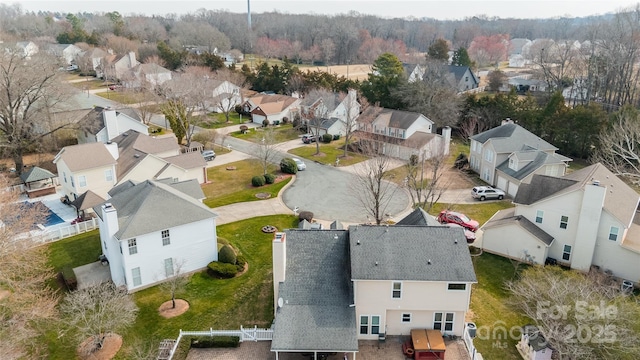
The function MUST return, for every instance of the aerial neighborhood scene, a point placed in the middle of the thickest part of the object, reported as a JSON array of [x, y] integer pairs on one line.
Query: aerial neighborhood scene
[[319, 180]]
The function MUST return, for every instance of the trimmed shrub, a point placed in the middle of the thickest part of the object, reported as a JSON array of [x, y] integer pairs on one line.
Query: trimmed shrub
[[238, 109], [216, 268], [336, 137], [288, 166], [241, 261], [413, 160], [285, 120], [265, 122], [257, 181], [227, 255], [276, 122], [269, 178], [215, 342], [327, 138], [244, 129], [305, 215]]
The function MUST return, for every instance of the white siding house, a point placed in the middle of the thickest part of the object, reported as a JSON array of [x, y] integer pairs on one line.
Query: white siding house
[[583, 219], [143, 252], [104, 124]]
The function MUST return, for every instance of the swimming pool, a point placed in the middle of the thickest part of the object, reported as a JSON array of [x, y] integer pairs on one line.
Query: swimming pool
[[52, 218]]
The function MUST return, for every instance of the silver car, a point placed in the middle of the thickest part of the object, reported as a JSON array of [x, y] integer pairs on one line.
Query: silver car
[[300, 163], [487, 192]]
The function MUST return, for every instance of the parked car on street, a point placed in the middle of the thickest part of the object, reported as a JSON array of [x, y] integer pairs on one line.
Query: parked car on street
[[72, 67], [300, 163], [308, 138], [209, 155], [114, 86], [452, 217], [468, 234], [487, 192]]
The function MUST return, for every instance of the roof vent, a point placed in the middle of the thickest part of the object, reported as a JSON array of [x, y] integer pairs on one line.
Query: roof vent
[[429, 262], [358, 242], [335, 236], [125, 134], [455, 241], [596, 182], [136, 155], [376, 263]]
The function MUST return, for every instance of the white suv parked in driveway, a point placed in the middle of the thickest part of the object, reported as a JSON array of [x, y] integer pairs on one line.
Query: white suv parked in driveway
[[487, 192]]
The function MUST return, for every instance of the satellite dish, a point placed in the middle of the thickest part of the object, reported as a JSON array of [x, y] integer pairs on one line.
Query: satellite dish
[[280, 302]]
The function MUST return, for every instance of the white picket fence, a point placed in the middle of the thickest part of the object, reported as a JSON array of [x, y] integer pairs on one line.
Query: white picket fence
[[67, 231], [245, 334], [468, 342]]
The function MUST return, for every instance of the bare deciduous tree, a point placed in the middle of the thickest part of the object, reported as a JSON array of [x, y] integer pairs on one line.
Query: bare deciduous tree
[[425, 179], [316, 106], [97, 311], [581, 316], [619, 148], [228, 94], [175, 281], [370, 186], [26, 100], [266, 148]]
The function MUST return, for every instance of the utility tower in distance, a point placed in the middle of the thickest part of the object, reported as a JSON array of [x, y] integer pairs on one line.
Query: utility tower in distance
[[249, 14]]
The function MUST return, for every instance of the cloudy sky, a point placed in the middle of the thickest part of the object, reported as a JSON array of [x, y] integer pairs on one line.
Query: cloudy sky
[[439, 9]]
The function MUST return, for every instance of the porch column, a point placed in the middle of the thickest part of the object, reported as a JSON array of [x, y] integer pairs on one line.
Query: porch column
[[276, 355]]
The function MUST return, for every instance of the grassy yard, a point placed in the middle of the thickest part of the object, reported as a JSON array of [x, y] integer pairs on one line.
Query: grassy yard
[[90, 84], [480, 212], [122, 97], [219, 303], [216, 121], [489, 308], [75, 251], [328, 153], [281, 133], [232, 186]]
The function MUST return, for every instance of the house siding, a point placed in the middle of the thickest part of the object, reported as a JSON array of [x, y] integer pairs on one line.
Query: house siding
[[95, 180], [501, 240], [194, 243], [421, 298]]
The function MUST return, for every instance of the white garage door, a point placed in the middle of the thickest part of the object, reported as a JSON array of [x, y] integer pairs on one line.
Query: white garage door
[[513, 189], [502, 183]]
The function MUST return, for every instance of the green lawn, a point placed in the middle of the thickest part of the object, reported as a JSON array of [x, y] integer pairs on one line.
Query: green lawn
[[233, 186], [489, 308], [75, 251], [122, 97], [328, 153], [480, 212], [216, 121], [281, 133], [246, 300], [90, 84]]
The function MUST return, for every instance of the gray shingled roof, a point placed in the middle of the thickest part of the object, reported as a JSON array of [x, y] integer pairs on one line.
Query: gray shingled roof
[[36, 174], [536, 158], [188, 160], [396, 118], [402, 253], [323, 123], [151, 206], [509, 137], [87, 200], [133, 147], [121, 187], [508, 217], [316, 293], [620, 200], [190, 187], [419, 217]]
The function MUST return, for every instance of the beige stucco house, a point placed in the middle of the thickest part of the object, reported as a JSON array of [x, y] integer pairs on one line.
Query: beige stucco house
[[509, 155], [400, 134], [86, 167], [583, 219], [335, 287]]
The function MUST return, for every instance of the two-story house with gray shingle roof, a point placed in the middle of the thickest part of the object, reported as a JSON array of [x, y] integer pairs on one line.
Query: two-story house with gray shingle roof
[[462, 78], [151, 229], [104, 124], [400, 134], [509, 155], [588, 217], [335, 287]]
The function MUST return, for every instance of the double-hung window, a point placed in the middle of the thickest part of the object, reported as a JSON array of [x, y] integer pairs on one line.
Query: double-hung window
[[369, 324], [566, 252], [133, 246], [564, 221], [82, 181], [108, 175], [613, 233], [443, 321], [137, 278], [168, 267], [539, 216], [166, 240], [406, 317], [396, 292]]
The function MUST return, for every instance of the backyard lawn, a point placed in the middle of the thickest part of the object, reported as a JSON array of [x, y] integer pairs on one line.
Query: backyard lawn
[[122, 96], [216, 121], [480, 212], [490, 311], [246, 300], [233, 186], [328, 153], [281, 133]]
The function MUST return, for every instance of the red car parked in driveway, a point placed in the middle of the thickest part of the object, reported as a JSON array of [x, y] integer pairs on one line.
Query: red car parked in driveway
[[452, 217]]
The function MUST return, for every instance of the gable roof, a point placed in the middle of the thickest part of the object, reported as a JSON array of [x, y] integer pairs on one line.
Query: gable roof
[[316, 294], [93, 121], [620, 200], [511, 137], [324, 124], [419, 217], [133, 147], [190, 187], [508, 217], [396, 118], [376, 250], [76, 156], [536, 159], [151, 206], [36, 174], [188, 160]]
